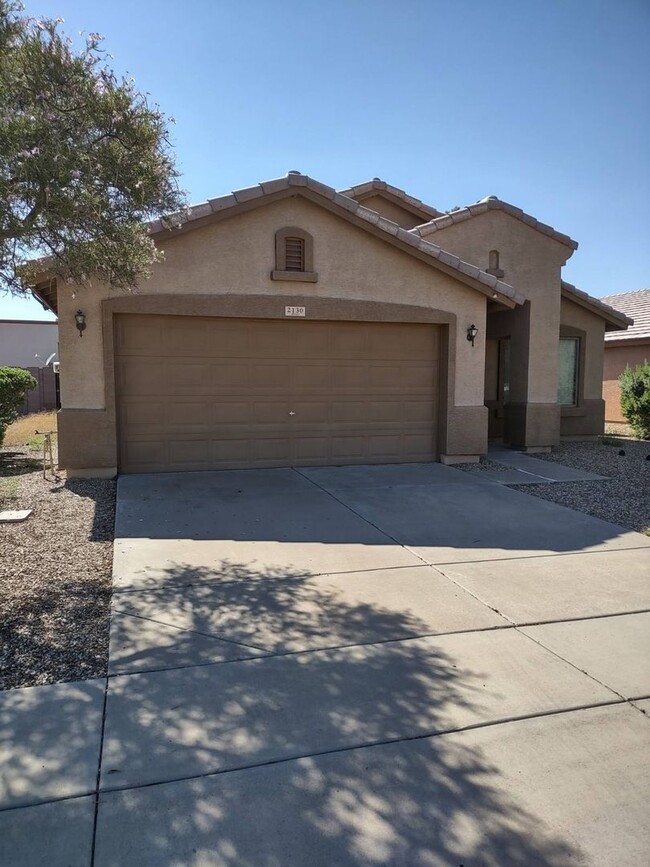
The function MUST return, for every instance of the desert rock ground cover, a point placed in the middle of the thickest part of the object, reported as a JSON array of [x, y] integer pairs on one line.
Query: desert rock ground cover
[[55, 573]]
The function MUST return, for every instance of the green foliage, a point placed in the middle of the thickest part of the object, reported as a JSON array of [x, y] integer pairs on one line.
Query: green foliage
[[635, 398], [85, 160], [14, 385]]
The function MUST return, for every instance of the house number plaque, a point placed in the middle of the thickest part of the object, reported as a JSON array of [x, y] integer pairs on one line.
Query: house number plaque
[[294, 311]]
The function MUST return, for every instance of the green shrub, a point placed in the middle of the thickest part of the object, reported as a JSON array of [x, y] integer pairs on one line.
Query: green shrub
[[635, 398], [14, 385]]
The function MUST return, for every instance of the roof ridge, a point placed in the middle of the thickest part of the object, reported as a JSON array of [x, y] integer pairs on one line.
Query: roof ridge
[[487, 204], [296, 179], [629, 292], [379, 185]]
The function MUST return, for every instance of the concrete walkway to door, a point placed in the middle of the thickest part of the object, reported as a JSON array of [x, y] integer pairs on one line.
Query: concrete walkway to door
[[354, 666]]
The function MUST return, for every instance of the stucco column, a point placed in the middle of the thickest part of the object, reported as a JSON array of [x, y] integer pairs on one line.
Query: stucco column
[[532, 415]]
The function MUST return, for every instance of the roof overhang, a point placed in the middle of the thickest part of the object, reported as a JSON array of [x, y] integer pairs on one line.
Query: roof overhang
[[492, 203], [614, 319], [296, 184], [44, 289], [44, 286]]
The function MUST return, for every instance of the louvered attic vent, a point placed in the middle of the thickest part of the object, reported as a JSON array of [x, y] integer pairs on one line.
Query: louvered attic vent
[[294, 254]]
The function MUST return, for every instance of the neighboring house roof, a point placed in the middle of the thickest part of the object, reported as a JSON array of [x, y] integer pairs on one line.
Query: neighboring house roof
[[615, 320], [378, 187], [491, 203], [27, 322], [635, 305]]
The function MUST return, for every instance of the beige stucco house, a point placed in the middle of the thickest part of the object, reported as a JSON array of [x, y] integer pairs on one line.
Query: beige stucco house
[[623, 348], [291, 324]]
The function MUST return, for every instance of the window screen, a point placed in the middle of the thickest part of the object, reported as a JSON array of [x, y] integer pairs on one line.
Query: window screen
[[567, 388]]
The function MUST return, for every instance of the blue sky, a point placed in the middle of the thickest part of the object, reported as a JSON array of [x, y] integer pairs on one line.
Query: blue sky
[[544, 103]]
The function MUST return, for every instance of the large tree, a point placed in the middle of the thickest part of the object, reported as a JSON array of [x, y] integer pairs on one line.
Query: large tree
[[85, 160]]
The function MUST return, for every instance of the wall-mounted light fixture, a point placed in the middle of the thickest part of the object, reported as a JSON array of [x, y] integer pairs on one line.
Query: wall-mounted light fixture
[[80, 319], [472, 331]]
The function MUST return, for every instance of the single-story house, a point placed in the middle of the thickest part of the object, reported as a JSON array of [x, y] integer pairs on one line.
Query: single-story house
[[290, 324], [32, 345], [625, 347]]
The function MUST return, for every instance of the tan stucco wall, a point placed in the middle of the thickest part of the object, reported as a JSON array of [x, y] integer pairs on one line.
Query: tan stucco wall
[[616, 360], [392, 211], [532, 263], [235, 257], [594, 327], [587, 418]]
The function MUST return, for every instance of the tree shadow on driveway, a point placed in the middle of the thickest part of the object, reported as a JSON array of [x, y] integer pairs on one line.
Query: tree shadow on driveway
[[265, 759]]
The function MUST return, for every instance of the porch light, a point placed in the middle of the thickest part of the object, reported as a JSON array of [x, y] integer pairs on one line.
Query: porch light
[[80, 320], [472, 331]]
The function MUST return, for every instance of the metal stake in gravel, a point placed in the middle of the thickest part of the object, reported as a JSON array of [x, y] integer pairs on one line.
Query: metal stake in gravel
[[47, 451]]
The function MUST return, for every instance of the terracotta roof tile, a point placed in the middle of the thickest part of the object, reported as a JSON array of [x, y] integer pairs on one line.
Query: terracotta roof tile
[[635, 305], [491, 203], [295, 179], [377, 185]]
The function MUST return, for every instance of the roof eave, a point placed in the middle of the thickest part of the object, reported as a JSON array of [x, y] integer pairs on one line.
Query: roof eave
[[614, 319], [294, 184], [493, 204]]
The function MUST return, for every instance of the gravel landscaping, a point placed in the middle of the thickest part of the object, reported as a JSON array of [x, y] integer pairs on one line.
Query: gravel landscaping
[[55, 574], [623, 498]]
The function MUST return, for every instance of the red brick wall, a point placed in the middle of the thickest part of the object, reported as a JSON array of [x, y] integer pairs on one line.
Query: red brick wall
[[616, 359]]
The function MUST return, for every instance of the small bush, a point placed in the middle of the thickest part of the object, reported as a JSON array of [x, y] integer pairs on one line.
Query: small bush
[[14, 385], [635, 398]]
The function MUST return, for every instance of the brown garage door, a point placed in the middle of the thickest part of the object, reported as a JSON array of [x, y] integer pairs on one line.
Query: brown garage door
[[206, 393]]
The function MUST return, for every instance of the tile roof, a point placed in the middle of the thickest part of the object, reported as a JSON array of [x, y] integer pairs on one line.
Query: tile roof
[[492, 203], [483, 282], [617, 320], [376, 185], [635, 305]]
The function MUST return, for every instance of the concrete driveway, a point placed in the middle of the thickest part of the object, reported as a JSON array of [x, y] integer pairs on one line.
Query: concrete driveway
[[350, 666]]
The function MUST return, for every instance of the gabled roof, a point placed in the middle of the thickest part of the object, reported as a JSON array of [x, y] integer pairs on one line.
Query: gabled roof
[[491, 203], [376, 186], [297, 184], [634, 304], [614, 319]]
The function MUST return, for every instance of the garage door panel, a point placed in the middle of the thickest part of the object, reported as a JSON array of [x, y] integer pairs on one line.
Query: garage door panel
[[145, 453], [311, 449], [348, 377], [140, 376], [186, 377], [196, 393], [278, 449], [183, 452], [143, 413], [311, 375], [139, 338], [225, 412]]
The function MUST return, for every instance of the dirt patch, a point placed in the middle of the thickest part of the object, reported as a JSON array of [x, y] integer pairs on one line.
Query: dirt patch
[[55, 574], [23, 430]]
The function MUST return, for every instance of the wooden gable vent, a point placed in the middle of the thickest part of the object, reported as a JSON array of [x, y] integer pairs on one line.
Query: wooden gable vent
[[294, 254]]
